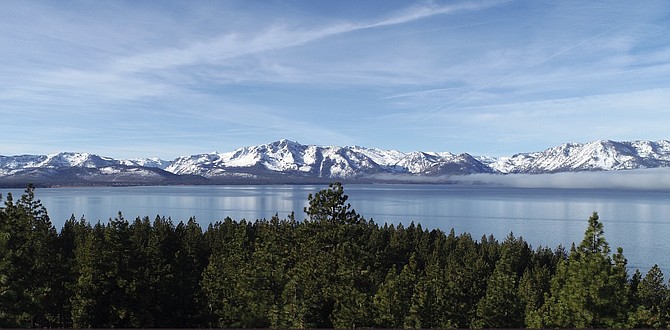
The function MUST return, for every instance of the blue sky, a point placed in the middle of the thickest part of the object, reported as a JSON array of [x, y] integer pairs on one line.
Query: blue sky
[[170, 78]]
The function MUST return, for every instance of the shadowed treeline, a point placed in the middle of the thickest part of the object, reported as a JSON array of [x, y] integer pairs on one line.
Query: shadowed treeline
[[334, 269]]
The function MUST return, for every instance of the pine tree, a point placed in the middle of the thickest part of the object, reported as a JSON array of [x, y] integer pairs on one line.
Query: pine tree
[[331, 205], [426, 308], [190, 262], [431, 303], [308, 298], [225, 281], [534, 285], [325, 288], [162, 279], [466, 275], [120, 257], [66, 276], [589, 289], [353, 288], [14, 266], [92, 288], [29, 266], [651, 308], [502, 305], [141, 272], [268, 265], [393, 300]]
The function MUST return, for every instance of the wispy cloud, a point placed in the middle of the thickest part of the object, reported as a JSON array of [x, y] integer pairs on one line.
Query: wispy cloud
[[149, 72], [502, 80], [216, 51], [427, 75], [439, 92], [424, 11]]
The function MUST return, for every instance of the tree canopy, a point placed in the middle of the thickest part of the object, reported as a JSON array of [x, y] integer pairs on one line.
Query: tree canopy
[[335, 269]]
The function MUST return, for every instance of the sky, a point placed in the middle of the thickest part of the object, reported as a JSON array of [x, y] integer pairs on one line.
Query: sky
[[138, 78]]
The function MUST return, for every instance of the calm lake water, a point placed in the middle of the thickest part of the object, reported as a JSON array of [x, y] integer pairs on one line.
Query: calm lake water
[[638, 221]]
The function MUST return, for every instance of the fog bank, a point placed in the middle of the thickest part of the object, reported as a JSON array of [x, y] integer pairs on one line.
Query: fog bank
[[646, 179]]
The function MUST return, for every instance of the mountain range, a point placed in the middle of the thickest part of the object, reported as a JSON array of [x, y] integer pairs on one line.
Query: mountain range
[[287, 161]]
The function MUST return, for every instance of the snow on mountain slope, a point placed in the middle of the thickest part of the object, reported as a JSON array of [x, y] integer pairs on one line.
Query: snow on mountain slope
[[9, 164], [280, 156], [659, 150], [340, 162], [443, 163], [12, 164], [419, 162], [388, 158], [288, 160], [73, 159], [146, 162], [80, 168], [348, 162], [603, 155], [324, 161], [202, 164]]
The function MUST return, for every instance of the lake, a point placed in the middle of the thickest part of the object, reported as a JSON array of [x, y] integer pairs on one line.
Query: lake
[[638, 221]]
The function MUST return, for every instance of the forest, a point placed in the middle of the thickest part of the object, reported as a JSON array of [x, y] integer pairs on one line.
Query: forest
[[334, 269]]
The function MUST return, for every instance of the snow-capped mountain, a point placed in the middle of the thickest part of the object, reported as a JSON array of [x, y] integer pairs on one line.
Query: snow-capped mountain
[[295, 159], [81, 168], [593, 156], [11, 165], [288, 161], [283, 156], [146, 162], [290, 157]]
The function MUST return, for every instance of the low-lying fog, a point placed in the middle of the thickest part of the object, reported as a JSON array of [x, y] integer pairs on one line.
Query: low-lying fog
[[647, 179]]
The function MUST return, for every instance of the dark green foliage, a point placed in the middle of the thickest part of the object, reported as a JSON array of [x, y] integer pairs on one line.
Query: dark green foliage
[[334, 270], [330, 205], [502, 305], [650, 306], [189, 305], [589, 288], [88, 289], [28, 265]]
